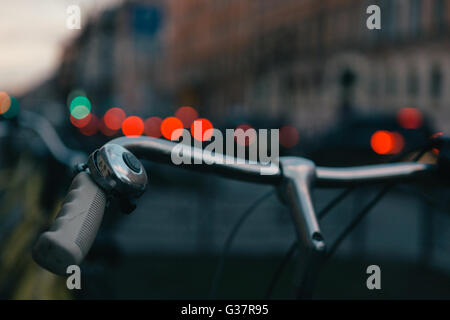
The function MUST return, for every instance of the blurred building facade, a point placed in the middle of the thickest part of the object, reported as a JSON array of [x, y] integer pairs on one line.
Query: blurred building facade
[[309, 59], [304, 60]]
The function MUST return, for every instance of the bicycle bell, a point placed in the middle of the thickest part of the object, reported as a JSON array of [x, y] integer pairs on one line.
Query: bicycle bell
[[117, 171]]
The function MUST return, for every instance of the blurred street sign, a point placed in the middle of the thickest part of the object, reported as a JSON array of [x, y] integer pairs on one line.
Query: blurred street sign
[[146, 19]]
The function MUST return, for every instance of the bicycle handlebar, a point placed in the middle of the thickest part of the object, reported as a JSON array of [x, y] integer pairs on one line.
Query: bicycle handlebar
[[161, 151], [45, 130], [75, 228]]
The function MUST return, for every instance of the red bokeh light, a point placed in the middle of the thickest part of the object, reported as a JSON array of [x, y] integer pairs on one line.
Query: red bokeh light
[[288, 136], [399, 143], [410, 118], [105, 130], [239, 135], [187, 115], [80, 123], [385, 142], [199, 129], [382, 142], [152, 127], [113, 118], [169, 125], [92, 127], [133, 126]]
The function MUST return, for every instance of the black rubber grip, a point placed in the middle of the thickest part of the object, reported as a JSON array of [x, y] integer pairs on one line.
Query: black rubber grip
[[74, 229]]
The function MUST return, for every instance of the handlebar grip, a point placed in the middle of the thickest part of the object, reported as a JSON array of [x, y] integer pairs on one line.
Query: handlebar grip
[[74, 229]]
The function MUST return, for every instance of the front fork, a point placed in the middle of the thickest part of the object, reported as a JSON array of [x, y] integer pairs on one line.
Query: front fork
[[298, 177]]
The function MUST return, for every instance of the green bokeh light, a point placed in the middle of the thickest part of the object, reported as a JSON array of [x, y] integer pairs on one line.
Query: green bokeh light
[[80, 107], [80, 112]]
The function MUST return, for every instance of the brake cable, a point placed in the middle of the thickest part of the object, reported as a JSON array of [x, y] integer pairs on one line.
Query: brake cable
[[230, 238], [294, 245], [289, 254]]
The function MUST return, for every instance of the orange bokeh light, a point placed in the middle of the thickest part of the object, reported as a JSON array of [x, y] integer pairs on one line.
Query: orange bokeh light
[[168, 127], [410, 118], [113, 118], [187, 115], [385, 142], [152, 127], [133, 126], [5, 102], [199, 129]]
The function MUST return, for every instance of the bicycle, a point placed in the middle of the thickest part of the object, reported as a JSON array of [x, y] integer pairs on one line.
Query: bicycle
[[114, 173]]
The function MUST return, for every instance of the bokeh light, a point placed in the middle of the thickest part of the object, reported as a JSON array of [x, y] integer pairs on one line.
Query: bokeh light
[[187, 115], [105, 130], [80, 123], [92, 127], [80, 112], [288, 136], [13, 109], [199, 129], [410, 118], [5, 102], [168, 127], [113, 118], [73, 94], [80, 107], [399, 143], [240, 134], [133, 126], [382, 142], [152, 127], [385, 142]]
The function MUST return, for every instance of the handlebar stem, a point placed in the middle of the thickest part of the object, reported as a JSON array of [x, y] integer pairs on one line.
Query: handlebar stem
[[298, 178]]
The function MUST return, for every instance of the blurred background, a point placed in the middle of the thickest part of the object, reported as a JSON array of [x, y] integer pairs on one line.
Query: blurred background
[[340, 94]]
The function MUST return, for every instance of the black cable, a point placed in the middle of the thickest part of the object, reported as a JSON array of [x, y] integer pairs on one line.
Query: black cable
[[358, 219], [287, 257], [344, 234], [230, 239], [277, 275], [334, 202], [369, 206]]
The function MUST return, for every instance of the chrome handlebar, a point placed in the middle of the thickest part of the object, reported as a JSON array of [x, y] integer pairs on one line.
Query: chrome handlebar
[[116, 172], [161, 150], [294, 177], [47, 133]]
